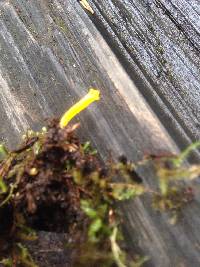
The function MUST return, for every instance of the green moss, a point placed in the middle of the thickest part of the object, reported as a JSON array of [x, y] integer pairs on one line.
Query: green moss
[[53, 160]]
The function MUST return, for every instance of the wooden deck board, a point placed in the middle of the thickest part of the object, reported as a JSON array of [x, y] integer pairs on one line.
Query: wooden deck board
[[51, 53], [158, 44]]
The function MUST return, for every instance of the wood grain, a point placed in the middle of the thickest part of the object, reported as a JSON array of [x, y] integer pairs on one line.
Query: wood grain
[[146, 67], [157, 42]]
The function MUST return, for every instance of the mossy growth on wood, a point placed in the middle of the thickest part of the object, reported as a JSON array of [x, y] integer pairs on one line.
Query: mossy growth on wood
[[54, 183]]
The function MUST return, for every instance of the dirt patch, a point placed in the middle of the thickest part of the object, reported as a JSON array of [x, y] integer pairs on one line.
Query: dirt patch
[[44, 195]]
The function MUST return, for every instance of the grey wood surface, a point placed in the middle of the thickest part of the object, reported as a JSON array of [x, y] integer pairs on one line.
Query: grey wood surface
[[144, 57], [158, 42]]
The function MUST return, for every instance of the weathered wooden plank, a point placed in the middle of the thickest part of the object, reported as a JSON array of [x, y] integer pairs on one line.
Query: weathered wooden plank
[[51, 53], [158, 43]]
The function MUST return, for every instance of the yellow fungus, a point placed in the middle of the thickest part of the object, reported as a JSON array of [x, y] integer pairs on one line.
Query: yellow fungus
[[92, 95], [85, 4]]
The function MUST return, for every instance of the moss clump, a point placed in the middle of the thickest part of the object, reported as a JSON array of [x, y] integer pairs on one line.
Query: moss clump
[[54, 183]]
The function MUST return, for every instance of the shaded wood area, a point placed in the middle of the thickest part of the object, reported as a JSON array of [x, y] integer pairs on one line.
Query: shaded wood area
[[144, 57]]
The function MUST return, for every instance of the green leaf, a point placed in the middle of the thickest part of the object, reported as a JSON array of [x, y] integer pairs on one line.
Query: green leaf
[[25, 257], [126, 191], [86, 146], [88, 210], [3, 186], [185, 153], [94, 228], [3, 152]]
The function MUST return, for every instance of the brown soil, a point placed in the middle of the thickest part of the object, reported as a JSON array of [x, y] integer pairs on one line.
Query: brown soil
[[45, 196]]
